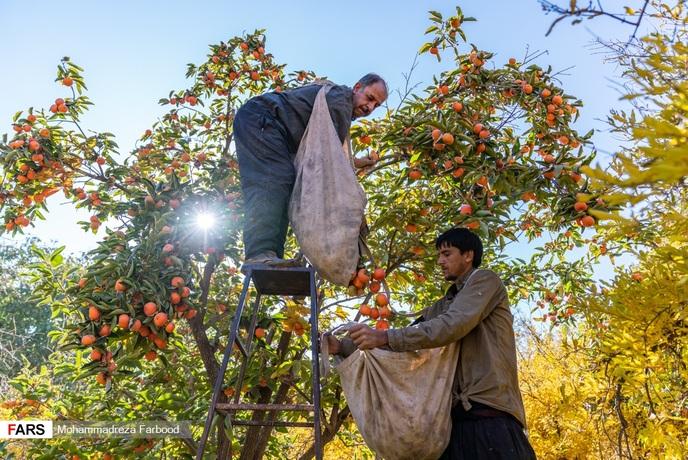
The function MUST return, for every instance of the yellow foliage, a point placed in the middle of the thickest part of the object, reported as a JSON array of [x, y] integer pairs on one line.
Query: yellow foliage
[[347, 445], [564, 418], [616, 386]]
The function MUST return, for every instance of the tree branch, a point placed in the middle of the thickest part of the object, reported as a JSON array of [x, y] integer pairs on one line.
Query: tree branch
[[206, 350], [588, 12]]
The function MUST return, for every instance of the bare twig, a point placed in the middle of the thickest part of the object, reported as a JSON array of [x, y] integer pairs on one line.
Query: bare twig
[[408, 88], [640, 18], [590, 11]]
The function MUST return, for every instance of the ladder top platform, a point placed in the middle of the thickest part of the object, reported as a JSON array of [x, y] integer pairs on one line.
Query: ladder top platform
[[270, 280]]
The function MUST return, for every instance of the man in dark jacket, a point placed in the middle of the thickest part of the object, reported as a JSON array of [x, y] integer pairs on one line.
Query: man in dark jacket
[[267, 132], [488, 418]]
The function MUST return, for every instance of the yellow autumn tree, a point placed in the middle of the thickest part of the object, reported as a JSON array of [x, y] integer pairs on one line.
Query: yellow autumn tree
[[556, 384], [616, 387]]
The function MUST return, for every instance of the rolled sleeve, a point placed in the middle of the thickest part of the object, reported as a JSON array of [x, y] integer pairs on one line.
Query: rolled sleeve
[[470, 306], [395, 338]]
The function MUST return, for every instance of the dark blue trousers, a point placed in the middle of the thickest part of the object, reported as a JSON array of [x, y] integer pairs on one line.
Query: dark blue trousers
[[267, 174]]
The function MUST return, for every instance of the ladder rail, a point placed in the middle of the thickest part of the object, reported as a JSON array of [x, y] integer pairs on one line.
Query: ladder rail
[[315, 365], [262, 277], [249, 347], [223, 368]]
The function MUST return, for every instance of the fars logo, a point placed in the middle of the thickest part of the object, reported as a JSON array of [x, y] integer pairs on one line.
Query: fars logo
[[29, 429]]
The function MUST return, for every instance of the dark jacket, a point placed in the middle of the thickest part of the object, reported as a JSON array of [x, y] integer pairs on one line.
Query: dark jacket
[[292, 109]]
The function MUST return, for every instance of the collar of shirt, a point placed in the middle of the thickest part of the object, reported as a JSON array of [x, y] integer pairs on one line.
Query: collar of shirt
[[458, 284]]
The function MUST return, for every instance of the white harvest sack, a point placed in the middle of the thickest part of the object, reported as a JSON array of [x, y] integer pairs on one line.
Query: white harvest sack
[[327, 202], [401, 401]]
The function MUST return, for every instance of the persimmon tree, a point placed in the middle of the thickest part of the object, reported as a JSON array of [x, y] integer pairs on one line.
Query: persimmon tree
[[489, 145]]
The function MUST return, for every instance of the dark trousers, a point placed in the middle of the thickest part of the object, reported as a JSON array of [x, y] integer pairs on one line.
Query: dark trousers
[[484, 433], [265, 218], [267, 174]]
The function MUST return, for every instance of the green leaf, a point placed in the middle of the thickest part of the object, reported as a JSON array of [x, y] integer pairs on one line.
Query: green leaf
[[435, 16], [56, 258]]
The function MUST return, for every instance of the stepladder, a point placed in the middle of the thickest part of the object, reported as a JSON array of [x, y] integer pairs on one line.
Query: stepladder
[[294, 282]]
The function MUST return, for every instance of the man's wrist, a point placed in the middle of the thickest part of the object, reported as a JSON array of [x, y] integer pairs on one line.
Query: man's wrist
[[384, 337]]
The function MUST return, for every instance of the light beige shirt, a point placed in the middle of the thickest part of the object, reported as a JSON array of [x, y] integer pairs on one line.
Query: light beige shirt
[[474, 311]]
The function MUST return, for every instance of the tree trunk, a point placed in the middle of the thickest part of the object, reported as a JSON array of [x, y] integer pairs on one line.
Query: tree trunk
[[254, 434], [224, 446], [250, 448], [212, 367], [266, 431]]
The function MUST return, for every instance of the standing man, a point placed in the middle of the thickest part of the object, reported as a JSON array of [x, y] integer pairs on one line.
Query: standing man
[[488, 418], [267, 132]]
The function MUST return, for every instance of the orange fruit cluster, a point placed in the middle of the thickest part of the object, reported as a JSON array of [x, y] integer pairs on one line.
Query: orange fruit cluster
[[154, 324], [373, 281], [441, 140], [362, 280], [380, 313]]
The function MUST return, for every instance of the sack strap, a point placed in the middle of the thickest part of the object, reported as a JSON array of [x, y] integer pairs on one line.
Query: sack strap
[[324, 82], [320, 104], [363, 247]]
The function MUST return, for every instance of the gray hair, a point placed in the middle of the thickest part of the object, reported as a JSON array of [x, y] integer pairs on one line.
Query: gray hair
[[372, 78]]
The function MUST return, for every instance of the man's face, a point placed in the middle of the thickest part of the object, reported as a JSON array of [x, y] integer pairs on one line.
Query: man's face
[[368, 98], [453, 263]]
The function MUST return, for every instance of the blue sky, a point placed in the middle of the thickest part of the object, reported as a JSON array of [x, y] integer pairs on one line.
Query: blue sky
[[134, 52]]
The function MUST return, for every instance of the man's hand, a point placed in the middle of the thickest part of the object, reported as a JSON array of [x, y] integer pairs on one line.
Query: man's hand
[[366, 337], [334, 346], [363, 162]]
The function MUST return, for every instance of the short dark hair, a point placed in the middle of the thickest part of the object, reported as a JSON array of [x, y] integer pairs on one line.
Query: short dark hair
[[372, 78], [464, 240]]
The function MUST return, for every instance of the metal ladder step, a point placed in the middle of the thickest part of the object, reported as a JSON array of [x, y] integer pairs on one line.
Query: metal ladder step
[[267, 280], [232, 407], [272, 423]]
